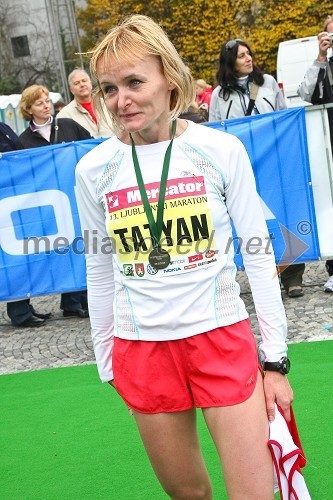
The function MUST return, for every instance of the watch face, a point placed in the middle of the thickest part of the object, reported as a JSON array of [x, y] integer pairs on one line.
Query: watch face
[[285, 365]]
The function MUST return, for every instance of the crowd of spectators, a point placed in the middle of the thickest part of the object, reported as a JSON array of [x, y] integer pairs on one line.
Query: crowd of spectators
[[241, 89]]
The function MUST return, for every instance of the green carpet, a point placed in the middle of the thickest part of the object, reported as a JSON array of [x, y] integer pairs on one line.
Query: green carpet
[[64, 435]]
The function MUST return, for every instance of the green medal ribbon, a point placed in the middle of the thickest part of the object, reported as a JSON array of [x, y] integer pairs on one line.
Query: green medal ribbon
[[155, 226]]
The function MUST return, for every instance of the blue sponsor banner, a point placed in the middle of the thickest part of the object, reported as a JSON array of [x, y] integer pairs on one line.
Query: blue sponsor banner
[[277, 146], [37, 200], [38, 204]]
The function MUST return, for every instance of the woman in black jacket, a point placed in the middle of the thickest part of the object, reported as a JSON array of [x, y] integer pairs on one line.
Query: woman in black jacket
[[43, 130]]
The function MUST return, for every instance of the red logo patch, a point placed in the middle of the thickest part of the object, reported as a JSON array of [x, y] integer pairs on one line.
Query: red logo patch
[[209, 254], [140, 270], [195, 258]]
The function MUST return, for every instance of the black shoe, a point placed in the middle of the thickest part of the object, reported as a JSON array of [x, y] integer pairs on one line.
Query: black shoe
[[32, 322], [81, 313], [295, 291], [40, 315]]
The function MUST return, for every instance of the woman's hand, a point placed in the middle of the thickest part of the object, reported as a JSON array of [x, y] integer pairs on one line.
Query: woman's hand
[[111, 382], [277, 390]]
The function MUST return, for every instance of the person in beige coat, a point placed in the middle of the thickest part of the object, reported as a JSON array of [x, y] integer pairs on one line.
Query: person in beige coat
[[81, 108]]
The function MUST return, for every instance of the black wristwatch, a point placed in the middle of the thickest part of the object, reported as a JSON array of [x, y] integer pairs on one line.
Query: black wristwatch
[[282, 366]]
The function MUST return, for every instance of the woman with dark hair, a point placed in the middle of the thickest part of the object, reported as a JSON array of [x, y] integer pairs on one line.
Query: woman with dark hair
[[236, 77], [245, 90]]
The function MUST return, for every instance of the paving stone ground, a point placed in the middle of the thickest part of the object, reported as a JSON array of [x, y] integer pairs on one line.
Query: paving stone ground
[[66, 341]]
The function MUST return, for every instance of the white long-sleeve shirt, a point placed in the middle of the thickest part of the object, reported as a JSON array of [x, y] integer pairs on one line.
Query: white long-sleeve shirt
[[210, 183]]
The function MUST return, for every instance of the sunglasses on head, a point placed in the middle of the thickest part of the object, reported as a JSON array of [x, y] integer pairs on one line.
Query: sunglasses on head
[[230, 45]]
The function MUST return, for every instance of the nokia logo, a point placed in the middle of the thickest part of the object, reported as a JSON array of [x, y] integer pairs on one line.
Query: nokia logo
[[172, 269]]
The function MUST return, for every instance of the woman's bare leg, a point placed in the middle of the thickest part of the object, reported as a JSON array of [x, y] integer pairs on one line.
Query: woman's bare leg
[[172, 444], [240, 433]]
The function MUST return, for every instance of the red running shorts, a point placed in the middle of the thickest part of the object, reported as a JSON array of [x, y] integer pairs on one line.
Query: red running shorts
[[216, 368]]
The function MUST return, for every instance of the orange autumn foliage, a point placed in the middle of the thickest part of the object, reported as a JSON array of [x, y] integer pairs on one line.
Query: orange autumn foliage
[[198, 28]]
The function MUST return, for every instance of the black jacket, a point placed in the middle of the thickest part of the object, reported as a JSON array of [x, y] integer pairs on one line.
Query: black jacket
[[327, 89], [8, 139], [327, 97], [68, 131], [192, 115]]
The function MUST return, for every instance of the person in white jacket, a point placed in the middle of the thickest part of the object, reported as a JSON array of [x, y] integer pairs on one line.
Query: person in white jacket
[[317, 88], [235, 76], [170, 331]]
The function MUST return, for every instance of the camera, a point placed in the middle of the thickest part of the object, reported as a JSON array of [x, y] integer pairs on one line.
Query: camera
[[331, 37]]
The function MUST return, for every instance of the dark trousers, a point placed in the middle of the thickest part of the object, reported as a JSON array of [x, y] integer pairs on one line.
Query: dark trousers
[[72, 301], [329, 263], [19, 311], [329, 267], [292, 276]]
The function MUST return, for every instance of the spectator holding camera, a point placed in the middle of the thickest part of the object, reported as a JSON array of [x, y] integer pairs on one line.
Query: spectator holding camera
[[317, 84], [317, 88]]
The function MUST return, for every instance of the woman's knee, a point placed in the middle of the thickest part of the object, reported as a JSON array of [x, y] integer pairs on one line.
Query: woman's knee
[[201, 491]]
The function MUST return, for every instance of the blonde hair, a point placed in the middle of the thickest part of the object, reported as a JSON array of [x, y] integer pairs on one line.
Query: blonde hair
[[131, 40], [202, 83], [29, 96], [329, 19]]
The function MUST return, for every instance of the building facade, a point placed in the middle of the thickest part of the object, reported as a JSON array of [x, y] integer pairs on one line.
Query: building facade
[[39, 43]]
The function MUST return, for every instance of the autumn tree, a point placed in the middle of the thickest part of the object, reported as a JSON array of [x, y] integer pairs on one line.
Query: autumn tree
[[278, 20], [198, 28]]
